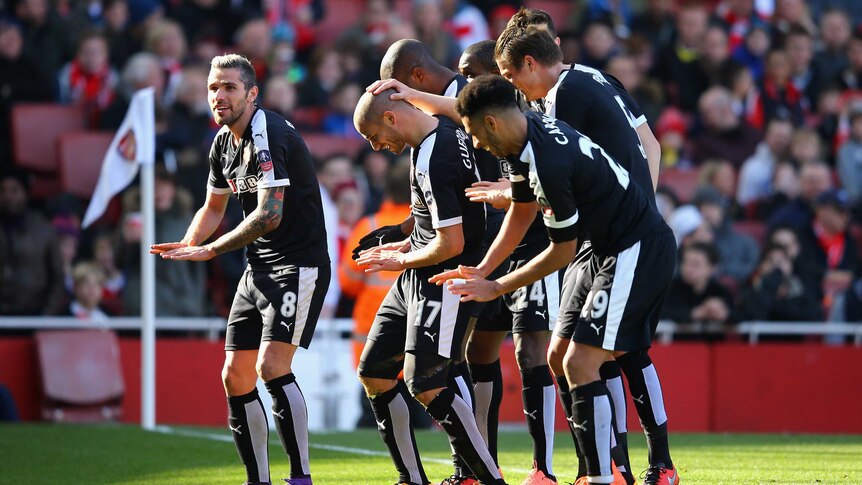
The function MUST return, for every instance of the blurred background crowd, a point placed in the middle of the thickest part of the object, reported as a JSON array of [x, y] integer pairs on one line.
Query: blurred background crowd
[[757, 105]]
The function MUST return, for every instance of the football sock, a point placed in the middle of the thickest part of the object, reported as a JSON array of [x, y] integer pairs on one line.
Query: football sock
[[611, 374], [247, 422], [456, 418], [539, 409], [592, 415], [488, 387], [461, 383], [393, 423], [566, 400], [291, 422], [646, 393]]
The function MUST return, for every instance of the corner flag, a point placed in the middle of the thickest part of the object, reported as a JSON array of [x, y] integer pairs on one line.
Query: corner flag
[[134, 144]]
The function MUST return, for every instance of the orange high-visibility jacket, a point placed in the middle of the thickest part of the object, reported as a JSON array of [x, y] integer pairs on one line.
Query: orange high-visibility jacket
[[368, 289]]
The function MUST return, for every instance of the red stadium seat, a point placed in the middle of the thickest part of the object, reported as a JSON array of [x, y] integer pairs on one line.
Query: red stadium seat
[[82, 377], [35, 129], [322, 145], [682, 182], [754, 229], [81, 154]]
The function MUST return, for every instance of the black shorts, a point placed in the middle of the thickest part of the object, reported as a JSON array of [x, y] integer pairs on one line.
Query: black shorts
[[419, 317], [627, 291], [531, 308], [576, 286], [281, 305]]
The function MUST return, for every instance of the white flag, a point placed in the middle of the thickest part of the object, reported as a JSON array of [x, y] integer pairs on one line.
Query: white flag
[[134, 144]]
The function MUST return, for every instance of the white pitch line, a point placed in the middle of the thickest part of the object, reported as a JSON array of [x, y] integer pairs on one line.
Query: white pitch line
[[341, 449]]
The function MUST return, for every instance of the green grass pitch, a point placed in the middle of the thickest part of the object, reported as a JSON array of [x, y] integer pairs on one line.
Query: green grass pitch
[[121, 454]]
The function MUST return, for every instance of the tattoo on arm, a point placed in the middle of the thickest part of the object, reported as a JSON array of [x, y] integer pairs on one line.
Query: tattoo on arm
[[265, 218]]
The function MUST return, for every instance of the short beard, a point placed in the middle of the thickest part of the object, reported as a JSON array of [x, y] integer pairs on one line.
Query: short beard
[[230, 120]]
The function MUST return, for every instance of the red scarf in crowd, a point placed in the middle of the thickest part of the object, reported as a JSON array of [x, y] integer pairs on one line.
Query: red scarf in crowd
[[832, 245]]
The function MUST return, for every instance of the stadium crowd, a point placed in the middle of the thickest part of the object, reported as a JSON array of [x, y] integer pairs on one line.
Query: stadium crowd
[[757, 105]]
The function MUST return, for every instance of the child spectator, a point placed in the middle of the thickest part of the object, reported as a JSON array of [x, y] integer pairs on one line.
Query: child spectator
[[88, 279], [114, 279], [342, 102]]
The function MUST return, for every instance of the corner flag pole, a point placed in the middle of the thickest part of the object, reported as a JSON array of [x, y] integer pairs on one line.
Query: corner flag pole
[[148, 299]]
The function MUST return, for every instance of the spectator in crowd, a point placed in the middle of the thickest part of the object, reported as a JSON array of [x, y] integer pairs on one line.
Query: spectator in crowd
[[180, 290], [324, 74], [370, 33], [282, 63], [143, 70], [254, 41], [814, 179], [737, 253], [752, 52], [645, 91], [671, 130], [720, 175], [784, 189], [775, 292], [695, 295], [755, 177], [714, 54], [350, 206], [189, 131], [47, 39], [430, 30], [334, 170], [375, 167], [779, 97], [677, 66], [656, 23], [805, 147], [121, 42], [114, 280], [804, 72], [31, 275], [849, 160], [166, 40], [21, 80], [89, 80], [295, 20], [790, 16], [598, 45], [827, 245], [743, 90], [740, 17], [850, 79], [666, 202], [68, 230], [88, 279], [835, 31], [828, 118], [465, 22], [342, 102], [279, 95], [724, 135]]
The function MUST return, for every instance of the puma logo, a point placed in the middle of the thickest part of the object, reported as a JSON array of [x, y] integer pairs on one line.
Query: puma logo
[[431, 335], [597, 329], [381, 424], [542, 313], [258, 135], [380, 239], [235, 430], [445, 421], [639, 399], [287, 325], [582, 426], [531, 414], [280, 414]]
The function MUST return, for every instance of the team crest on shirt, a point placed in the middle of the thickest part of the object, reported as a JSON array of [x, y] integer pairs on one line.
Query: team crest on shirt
[[545, 207], [264, 160]]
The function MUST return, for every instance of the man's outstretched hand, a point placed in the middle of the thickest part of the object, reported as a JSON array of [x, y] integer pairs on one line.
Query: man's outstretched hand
[[378, 237]]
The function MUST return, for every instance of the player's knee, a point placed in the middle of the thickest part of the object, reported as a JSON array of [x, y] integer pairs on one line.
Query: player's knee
[[425, 397], [478, 353], [582, 367], [555, 359], [530, 349], [237, 381]]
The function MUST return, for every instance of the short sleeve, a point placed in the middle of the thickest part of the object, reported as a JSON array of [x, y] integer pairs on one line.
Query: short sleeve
[[637, 115], [216, 182], [553, 190], [443, 179], [521, 191], [273, 146]]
